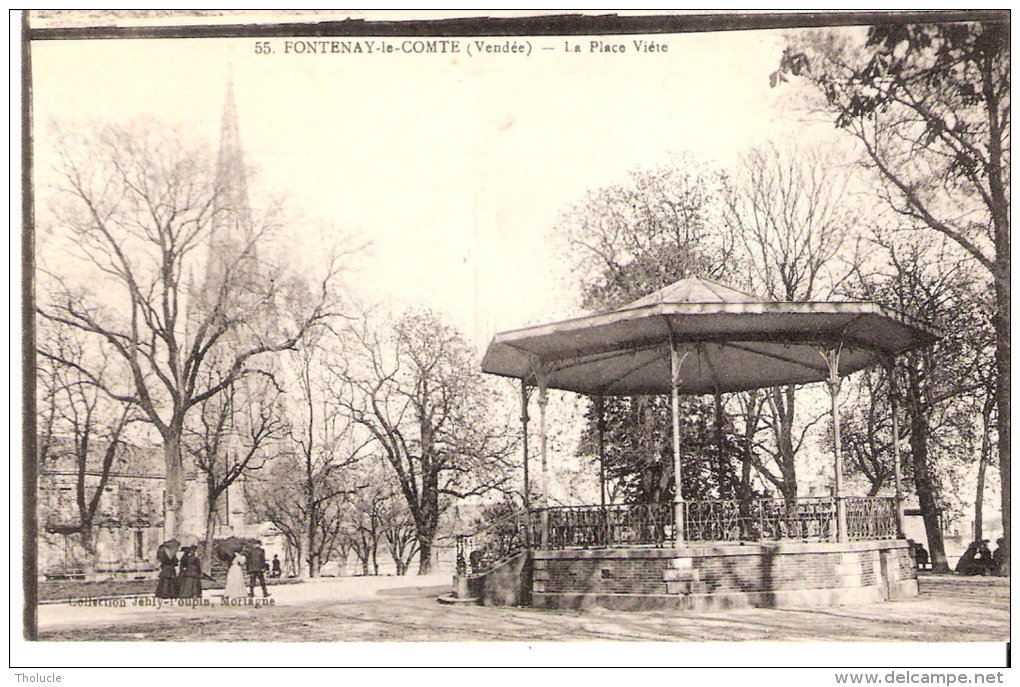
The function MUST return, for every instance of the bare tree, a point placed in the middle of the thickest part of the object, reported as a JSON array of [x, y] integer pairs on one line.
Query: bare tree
[[399, 533], [750, 412], [367, 514], [417, 391], [930, 104], [865, 430], [365, 541], [630, 239], [787, 208], [235, 434], [311, 521], [327, 444], [81, 421], [984, 458], [933, 281], [378, 515], [625, 241], [137, 207]]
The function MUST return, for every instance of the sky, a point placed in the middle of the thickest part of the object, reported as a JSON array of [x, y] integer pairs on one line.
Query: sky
[[455, 166]]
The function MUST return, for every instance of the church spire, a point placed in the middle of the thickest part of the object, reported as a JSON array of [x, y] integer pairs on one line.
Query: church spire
[[231, 226], [231, 179]]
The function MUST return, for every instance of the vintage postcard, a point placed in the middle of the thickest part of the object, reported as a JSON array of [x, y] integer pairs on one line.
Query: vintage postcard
[[514, 338]]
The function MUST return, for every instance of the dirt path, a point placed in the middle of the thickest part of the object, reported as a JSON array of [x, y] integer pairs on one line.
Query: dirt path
[[949, 609]]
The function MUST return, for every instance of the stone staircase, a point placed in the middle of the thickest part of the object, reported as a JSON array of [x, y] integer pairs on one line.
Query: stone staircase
[[494, 564]]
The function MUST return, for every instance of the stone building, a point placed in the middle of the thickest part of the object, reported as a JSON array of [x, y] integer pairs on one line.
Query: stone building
[[128, 522]]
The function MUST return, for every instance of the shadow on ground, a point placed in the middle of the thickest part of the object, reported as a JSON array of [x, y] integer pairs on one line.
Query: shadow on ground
[[949, 609]]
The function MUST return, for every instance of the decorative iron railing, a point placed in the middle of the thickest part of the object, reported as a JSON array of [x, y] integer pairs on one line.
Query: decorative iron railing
[[640, 524], [801, 519], [651, 524], [482, 550], [870, 518]]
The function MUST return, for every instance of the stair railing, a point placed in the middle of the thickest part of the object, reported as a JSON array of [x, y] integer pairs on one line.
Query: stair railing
[[484, 549]]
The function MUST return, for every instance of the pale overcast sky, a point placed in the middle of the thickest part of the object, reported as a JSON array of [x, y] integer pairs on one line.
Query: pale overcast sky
[[455, 165]]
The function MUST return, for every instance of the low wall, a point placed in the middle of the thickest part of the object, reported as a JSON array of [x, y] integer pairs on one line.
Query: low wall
[[509, 584], [725, 576]]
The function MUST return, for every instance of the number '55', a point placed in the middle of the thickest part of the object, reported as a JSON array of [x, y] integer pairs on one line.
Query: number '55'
[[262, 48]]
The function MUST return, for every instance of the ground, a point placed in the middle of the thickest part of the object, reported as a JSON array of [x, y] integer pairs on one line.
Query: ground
[[53, 590], [405, 609]]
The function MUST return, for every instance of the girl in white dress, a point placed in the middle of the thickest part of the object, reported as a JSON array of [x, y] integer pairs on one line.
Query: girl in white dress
[[235, 578]]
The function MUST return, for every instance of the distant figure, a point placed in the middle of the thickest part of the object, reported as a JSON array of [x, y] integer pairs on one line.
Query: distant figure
[[475, 560], [190, 577], [999, 557], [983, 563], [166, 556], [976, 560], [921, 554], [277, 569], [257, 569], [235, 577]]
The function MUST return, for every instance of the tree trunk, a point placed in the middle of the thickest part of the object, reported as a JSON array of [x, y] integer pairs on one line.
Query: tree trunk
[[745, 474], [427, 520], [424, 553], [173, 498], [925, 490], [998, 187], [302, 555], [720, 449], [1002, 348], [783, 403], [751, 415], [210, 526], [979, 492], [85, 535]]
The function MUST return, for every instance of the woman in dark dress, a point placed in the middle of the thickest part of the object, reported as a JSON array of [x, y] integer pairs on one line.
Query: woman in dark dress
[[166, 555], [190, 577]]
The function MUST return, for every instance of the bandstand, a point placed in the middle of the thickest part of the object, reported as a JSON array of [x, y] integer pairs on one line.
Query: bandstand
[[695, 337]]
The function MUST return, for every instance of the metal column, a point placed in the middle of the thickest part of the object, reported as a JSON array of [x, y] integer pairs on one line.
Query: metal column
[[897, 475], [543, 401], [600, 419], [527, 481], [832, 360], [676, 359]]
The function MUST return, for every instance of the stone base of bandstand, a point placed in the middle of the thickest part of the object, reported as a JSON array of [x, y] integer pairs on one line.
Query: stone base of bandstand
[[723, 576]]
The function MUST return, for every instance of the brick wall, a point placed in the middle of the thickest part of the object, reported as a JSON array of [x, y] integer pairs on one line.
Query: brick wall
[[736, 569], [908, 566], [606, 575], [871, 569], [755, 573]]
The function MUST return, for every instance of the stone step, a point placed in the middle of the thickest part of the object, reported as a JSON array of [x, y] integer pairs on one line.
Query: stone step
[[451, 600]]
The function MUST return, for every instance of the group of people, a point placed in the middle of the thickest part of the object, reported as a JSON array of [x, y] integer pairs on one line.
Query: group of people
[[250, 563], [180, 576], [180, 571], [978, 559]]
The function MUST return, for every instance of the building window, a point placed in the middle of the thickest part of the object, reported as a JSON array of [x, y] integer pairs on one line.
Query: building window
[[139, 552]]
